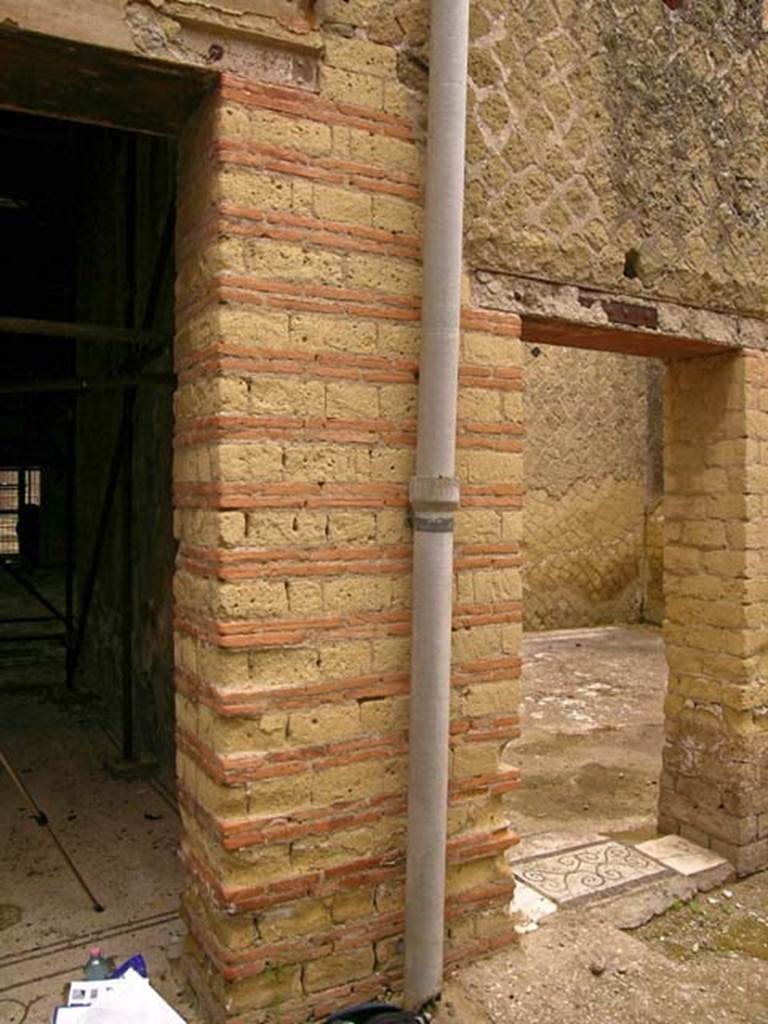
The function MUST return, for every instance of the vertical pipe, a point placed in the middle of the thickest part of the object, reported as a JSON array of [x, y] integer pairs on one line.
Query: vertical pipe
[[434, 496], [127, 598]]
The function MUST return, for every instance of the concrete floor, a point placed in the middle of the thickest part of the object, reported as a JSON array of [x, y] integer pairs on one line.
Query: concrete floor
[[123, 838]]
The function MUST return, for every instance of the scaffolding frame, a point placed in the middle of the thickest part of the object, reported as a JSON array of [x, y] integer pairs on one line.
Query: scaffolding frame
[[146, 345]]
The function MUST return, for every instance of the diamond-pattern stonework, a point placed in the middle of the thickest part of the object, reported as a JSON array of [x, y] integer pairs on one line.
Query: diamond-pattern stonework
[[585, 488], [598, 870], [601, 126]]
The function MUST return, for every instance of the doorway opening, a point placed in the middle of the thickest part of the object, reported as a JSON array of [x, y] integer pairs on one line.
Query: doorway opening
[[87, 214], [594, 667]]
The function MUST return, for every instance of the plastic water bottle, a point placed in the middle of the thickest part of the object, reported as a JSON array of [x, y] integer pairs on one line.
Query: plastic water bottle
[[97, 967]]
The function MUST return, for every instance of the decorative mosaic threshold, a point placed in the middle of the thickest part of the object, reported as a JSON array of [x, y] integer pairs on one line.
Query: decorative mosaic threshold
[[587, 872]]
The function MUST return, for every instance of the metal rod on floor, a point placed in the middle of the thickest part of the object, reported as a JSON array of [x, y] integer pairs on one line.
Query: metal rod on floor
[[42, 819]]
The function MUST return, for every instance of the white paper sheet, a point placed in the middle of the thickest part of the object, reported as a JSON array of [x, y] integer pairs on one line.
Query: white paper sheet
[[132, 1001]]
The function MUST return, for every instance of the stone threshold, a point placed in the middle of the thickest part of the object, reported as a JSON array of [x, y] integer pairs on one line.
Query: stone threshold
[[562, 870]]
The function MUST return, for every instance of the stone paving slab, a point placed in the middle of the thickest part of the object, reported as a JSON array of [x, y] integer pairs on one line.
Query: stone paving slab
[[594, 871], [686, 858], [541, 844]]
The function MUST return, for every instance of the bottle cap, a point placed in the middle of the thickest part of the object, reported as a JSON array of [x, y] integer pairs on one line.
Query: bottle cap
[[94, 951]]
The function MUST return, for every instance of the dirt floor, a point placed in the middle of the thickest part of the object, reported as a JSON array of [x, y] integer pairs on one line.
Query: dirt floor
[[123, 837], [590, 755], [590, 758], [592, 730], [704, 962], [35, 664], [121, 833]]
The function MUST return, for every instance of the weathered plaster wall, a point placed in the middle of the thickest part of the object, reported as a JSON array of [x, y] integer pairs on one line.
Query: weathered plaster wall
[[585, 465], [609, 127]]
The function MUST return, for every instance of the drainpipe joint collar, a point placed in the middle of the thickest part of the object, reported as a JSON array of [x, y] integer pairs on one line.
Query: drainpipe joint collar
[[434, 499]]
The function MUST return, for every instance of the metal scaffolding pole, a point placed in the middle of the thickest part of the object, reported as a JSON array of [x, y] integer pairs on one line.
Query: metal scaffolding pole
[[70, 554]]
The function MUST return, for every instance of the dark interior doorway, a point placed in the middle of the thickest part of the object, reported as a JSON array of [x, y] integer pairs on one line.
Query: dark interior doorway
[[86, 314], [87, 218]]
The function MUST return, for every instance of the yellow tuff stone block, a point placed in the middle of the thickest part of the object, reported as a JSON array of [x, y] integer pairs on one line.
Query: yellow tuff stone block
[[384, 714], [256, 599], [290, 261], [340, 334], [274, 985], [350, 400], [332, 971], [391, 213], [269, 396], [345, 658], [385, 151], [249, 461], [357, 54], [285, 529], [351, 527], [320, 462], [252, 188], [477, 526], [305, 597], [497, 698], [301, 918], [278, 668], [399, 276], [339, 204], [325, 724], [357, 594], [254, 327], [399, 340], [306, 136], [351, 906], [474, 759], [357, 781], [481, 404], [352, 87], [398, 401]]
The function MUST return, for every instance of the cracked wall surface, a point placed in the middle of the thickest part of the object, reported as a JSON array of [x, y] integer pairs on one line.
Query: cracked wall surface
[[611, 135]]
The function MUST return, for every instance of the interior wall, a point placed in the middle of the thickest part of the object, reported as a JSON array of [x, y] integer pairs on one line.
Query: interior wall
[[585, 470], [123, 206], [35, 225]]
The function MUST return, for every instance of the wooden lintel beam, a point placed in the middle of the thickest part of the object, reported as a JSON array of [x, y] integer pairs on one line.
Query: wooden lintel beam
[[544, 330]]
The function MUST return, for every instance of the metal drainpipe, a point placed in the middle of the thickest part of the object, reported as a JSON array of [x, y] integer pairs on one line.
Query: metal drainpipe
[[434, 495]]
